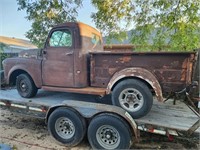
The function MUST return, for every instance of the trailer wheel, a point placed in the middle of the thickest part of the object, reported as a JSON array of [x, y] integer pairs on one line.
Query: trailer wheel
[[67, 126], [25, 86], [109, 132], [134, 96]]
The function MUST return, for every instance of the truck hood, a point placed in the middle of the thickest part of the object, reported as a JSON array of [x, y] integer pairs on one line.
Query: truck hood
[[31, 53]]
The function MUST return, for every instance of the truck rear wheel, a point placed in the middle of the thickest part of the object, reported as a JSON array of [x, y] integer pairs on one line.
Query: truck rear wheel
[[67, 126], [108, 131], [134, 96], [25, 86]]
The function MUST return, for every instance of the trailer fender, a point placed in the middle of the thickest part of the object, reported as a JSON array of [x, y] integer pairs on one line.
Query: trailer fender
[[139, 73], [89, 110]]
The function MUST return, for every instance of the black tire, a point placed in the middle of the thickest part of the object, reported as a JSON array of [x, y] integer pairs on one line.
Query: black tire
[[25, 86], [134, 96], [108, 131], [67, 126]]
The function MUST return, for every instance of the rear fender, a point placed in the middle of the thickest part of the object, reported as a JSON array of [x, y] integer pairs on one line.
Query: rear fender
[[139, 73]]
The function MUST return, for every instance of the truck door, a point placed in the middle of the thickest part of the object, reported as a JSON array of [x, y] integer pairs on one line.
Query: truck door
[[58, 59]]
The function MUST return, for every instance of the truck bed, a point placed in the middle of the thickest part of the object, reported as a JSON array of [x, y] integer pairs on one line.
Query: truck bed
[[172, 70], [178, 117]]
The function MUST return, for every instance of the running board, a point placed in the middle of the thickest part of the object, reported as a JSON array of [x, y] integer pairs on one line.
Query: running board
[[86, 90]]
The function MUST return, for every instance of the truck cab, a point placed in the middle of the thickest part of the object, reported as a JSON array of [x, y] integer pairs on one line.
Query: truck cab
[[63, 62]]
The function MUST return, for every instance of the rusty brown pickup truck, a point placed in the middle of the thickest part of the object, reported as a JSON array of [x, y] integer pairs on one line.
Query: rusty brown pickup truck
[[74, 60]]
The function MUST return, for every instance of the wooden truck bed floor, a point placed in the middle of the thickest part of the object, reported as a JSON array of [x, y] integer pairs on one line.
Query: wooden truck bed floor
[[167, 115]]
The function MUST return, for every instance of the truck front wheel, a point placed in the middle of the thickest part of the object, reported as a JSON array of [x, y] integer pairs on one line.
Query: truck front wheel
[[25, 86], [109, 131], [67, 126], [134, 96]]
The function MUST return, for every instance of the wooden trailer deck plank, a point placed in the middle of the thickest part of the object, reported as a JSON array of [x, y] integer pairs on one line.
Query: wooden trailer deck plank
[[178, 116]]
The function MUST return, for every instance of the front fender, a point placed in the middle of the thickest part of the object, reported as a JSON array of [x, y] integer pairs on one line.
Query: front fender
[[30, 66], [140, 73], [15, 68]]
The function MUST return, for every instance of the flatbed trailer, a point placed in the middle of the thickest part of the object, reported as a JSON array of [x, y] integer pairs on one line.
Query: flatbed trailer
[[164, 118]]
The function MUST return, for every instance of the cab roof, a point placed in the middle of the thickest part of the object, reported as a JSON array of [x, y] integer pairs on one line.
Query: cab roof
[[85, 30]]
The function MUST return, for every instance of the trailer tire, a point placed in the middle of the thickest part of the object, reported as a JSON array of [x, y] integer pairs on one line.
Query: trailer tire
[[67, 126], [25, 86], [109, 131], [134, 96]]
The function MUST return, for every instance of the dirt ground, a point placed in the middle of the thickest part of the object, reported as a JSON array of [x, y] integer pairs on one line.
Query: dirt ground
[[24, 133]]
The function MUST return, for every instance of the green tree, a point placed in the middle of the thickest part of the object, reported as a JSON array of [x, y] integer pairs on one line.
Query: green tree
[[2, 46], [44, 14], [175, 23], [110, 16], [2, 54]]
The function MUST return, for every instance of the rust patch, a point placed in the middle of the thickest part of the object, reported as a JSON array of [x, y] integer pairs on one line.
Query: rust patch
[[112, 70], [184, 72], [125, 59], [190, 68], [170, 69]]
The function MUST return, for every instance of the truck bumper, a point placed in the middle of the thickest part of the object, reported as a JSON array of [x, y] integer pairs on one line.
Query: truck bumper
[[3, 81]]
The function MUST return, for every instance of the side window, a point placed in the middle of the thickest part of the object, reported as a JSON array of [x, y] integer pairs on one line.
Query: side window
[[61, 38], [95, 39]]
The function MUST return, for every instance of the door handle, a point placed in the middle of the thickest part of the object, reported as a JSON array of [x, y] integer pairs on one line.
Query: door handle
[[69, 53]]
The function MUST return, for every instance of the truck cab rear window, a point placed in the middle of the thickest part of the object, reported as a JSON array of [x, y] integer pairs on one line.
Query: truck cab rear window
[[96, 40], [61, 38]]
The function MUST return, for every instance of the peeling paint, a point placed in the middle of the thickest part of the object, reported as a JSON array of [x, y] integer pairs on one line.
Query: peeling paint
[[171, 70]]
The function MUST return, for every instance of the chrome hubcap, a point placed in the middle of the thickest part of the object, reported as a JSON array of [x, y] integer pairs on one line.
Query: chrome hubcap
[[131, 99]]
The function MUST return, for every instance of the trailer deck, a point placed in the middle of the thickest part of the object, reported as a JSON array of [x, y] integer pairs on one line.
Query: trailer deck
[[177, 117]]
